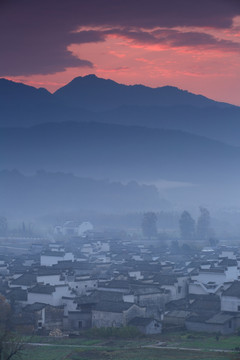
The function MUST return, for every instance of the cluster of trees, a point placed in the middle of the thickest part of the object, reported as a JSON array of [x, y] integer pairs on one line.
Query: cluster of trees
[[189, 228], [25, 230], [200, 229]]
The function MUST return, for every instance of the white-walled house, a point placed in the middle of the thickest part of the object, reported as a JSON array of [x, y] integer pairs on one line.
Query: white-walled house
[[46, 316], [115, 314], [48, 294], [214, 275], [175, 285], [231, 269], [24, 281], [230, 299], [136, 274], [211, 280], [228, 254], [69, 303], [84, 227], [197, 288], [50, 279], [82, 284], [102, 246], [87, 249], [50, 258], [73, 228], [56, 247]]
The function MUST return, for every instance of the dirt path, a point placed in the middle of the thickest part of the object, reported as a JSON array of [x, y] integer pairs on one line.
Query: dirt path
[[166, 347], [63, 345]]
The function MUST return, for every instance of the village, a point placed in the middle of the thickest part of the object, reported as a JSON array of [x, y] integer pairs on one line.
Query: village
[[95, 281]]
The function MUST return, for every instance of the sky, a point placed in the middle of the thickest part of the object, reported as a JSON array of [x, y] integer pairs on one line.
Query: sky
[[191, 44]]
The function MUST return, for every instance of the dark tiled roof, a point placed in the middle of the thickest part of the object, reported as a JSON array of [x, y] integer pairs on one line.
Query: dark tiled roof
[[180, 304], [34, 307], [140, 321], [146, 290], [118, 284], [217, 318], [228, 262], [183, 314], [42, 289], [199, 318], [170, 279], [233, 290], [76, 265], [47, 270], [206, 303], [219, 270], [54, 253], [220, 318], [112, 306], [25, 280], [17, 294], [98, 296], [65, 264]]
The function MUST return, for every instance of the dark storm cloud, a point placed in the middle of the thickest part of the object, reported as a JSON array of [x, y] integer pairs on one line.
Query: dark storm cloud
[[175, 38], [86, 37], [35, 34]]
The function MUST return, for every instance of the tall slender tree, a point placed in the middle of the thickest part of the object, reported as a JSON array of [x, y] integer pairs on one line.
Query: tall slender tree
[[149, 224], [203, 224], [187, 226]]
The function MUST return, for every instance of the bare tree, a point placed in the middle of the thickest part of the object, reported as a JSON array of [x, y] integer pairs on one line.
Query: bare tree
[[10, 343]]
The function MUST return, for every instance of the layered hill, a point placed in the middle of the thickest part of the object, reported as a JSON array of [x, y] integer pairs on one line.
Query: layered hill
[[98, 94], [46, 193], [100, 129], [91, 99], [118, 152]]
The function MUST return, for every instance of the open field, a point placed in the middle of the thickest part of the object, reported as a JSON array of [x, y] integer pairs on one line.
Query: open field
[[201, 347], [201, 341], [62, 353], [184, 339]]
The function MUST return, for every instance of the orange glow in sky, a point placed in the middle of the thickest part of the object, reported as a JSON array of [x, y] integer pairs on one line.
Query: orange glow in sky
[[207, 70]]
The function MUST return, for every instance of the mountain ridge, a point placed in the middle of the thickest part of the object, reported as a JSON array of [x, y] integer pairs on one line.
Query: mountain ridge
[[132, 94], [23, 105]]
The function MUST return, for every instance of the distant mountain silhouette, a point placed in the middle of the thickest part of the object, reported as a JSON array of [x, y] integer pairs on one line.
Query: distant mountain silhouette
[[13, 93], [217, 123], [23, 105], [91, 99], [45, 193], [94, 93]]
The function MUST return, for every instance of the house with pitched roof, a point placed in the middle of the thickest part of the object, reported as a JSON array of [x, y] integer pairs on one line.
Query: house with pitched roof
[[147, 326], [115, 314], [48, 294], [230, 298]]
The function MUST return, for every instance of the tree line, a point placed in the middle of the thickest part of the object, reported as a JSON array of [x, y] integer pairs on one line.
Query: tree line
[[188, 227], [200, 229]]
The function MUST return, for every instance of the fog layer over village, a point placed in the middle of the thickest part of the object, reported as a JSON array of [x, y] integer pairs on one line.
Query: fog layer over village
[[119, 180], [112, 217], [99, 151]]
